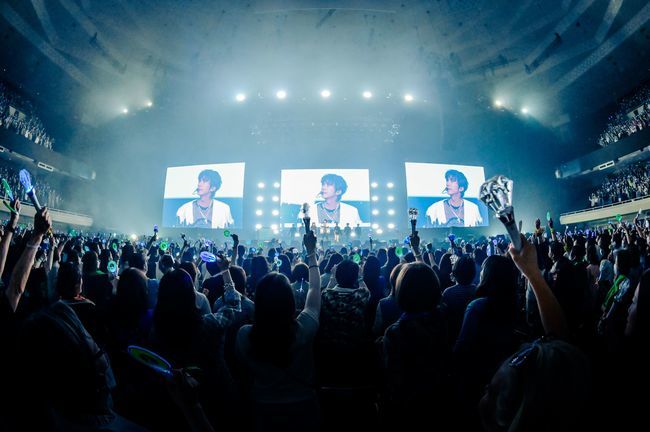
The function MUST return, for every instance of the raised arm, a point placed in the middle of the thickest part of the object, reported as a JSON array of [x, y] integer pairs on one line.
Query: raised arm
[[312, 301], [550, 311], [10, 228], [235, 246], [415, 245], [20, 274]]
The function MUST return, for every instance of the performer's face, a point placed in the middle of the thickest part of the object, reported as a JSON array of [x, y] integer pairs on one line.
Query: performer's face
[[452, 186], [328, 191], [204, 187]]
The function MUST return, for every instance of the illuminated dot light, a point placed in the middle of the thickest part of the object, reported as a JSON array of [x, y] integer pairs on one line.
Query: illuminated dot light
[[241, 97], [353, 234], [149, 104], [274, 227], [367, 94], [275, 198], [259, 212], [390, 198], [275, 212], [374, 185], [258, 226], [375, 198], [281, 94], [276, 185], [524, 110], [390, 185], [379, 231], [325, 93], [125, 110], [408, 97], [375, 226], [391, 212], [261, 185], [375, 212], [391, 226], [260, 198]]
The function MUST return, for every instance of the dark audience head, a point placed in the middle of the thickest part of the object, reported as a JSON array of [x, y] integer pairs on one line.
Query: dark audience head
[[131, 298], [176, 314], [464, 270], [418, 288], [445, 264], [300, 273], [638, 318], [90, 263], [624, 262], [347, 274], [138, 261], [68, 280], [190, 268], [273, 331], [393, 277], [334, 259], [371, 269], [166, 264], [285, 266], [592, 255], [499, 285]]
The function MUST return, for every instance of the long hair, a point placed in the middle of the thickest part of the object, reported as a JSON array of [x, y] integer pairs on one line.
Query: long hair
[[176, 316], [335, 258], [259, 268], [131, 299], [285, 266], [418, 288], [499, 285], [371, 273], [273, 332]]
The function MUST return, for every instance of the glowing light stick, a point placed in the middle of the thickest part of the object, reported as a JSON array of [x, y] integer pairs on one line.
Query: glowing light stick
[[111, 266], [496, 193], [26, 181], [150, 359], [7, 189], [548, 216], [305, 217], [208, 257], [164, 245], [413, 216], [356, 258], [399, 251]]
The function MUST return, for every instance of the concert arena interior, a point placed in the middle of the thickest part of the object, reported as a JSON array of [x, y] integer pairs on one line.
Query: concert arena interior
[[299, 215]]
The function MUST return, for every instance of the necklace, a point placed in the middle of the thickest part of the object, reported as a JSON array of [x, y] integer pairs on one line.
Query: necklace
[[201, 210], [455, 207]]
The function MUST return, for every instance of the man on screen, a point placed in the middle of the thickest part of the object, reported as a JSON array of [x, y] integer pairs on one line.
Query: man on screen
[[331, 209], [206, 212], [454, 211]]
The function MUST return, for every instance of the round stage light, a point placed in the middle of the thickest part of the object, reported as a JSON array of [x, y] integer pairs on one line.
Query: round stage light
[[524, 110], [276, 231], [125, 110], [374, 226], [353, 234], [275, 198], [379, 231], [149, 104], [260, 198], [276, 185], [408, 97], [240, 97], [281, 94], [325, 94], [367, 94], [259, 212], [390, 198], [375, 212], [274, 227], [296, 234], [275, 212], [391, 226], [134, 237], [374, 185], [390, 185], [498, 103], [261, 185], [391, 212], [258, 226], [375, 198]]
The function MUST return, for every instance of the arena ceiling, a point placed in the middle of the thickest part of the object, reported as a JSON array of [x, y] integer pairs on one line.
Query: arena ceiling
[[565, 57]]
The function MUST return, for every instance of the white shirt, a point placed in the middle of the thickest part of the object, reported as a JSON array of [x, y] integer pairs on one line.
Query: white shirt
[[347, 214], [437, 216], [221, 217]]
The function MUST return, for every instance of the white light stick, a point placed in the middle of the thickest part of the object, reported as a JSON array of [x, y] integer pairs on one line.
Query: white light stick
[[496, 193]]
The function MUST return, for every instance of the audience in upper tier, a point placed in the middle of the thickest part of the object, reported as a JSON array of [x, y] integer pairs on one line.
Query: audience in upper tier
[[461, 335], [17, 113], [630, 182], [633, 115], [47, 195]]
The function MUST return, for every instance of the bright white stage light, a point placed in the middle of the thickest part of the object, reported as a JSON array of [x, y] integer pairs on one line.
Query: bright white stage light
[[367, 94], [276, 185], [325, 94], [408, 97], [374, 185], [390, 198], [375, 198], [375, 212], [125, 110], [260, 198], [134, 237], [353, 234], [391, 212], [261, 185], [374, 226], [258, 226], [390, 185], [296, 234], [274, 227], [281, 94], [275, 198], [276, 231], [391, 226], [149, 104], [498, 103], [524, 110], [259, 212], [379, 231], [275, 212]]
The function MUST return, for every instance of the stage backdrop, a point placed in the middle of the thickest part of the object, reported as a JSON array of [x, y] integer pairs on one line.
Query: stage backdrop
[[304, 185], [426, 190], [180, 191]]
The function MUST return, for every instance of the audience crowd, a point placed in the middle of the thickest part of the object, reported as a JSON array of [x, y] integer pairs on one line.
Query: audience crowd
[[632, 116], [47, 195], [465, 335], [630, 182], [18, 114]]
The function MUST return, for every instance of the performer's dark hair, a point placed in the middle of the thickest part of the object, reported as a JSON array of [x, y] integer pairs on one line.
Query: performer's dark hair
[[460, 178], [213, 177], [337, 181]]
